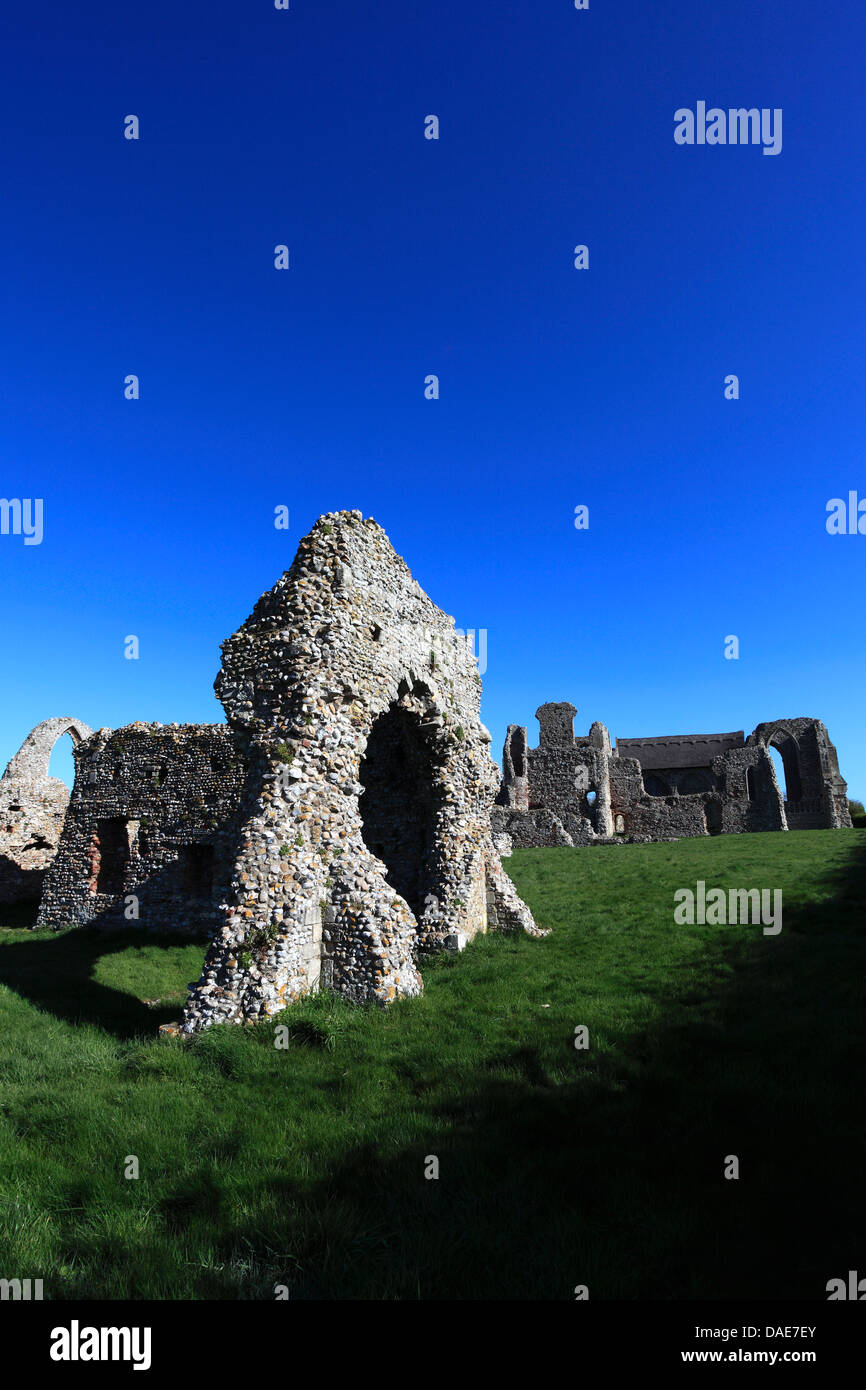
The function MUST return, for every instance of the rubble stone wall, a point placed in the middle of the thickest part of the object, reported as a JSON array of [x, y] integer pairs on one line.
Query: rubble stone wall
[[580, 791], [335, 831], [812, 766], [149, 837], [365, 836], [32, 810]]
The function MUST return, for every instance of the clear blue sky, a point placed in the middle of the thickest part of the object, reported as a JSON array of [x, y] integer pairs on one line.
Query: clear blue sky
[[409, 257]]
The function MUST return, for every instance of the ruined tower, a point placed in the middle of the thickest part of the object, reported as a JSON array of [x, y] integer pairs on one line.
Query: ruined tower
[[364, 834]]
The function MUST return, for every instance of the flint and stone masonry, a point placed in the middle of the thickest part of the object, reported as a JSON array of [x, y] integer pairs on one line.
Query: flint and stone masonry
[[341, 824], [150, 829], [578, 791], [336, 829], [365, 834], [32, 809]]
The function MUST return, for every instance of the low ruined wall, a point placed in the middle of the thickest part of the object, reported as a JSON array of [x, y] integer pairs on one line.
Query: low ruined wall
[[31, 822], [660, 789], [529, 829], [149, 837]]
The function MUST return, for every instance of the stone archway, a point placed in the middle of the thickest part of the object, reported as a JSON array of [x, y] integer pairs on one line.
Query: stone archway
[[815, 792], [786, 746], [32, 809], [29, 766], [400, 802]]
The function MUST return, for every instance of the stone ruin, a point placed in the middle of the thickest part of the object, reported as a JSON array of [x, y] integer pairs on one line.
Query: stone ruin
[[341, 825], [336, 830], [574, 791], [149, 830], [32, 809]]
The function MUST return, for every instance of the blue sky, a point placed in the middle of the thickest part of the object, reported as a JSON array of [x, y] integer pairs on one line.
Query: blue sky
[[408, 257]]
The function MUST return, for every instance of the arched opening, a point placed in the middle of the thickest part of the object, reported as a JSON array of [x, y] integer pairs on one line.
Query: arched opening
[[592, 796], [778, 768], [32, 762], [197, 870], [61, 763], [783, 751], [517, 750], [713, 817], [399, 803], [110, 855]]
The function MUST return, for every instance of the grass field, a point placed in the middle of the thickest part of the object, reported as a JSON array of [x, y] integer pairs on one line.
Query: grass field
[[558, 1167]]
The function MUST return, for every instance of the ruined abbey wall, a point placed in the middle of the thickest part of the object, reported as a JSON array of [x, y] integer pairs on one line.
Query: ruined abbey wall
[[576, 791], [32, 810], [365, 837], [149, 835], [817, 793], [336, 830]]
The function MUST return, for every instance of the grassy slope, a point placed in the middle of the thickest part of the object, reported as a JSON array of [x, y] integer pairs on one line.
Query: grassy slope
[[558, 1166]]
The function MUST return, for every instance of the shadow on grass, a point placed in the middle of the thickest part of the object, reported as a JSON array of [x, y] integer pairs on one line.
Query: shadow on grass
[[20, 914], [612, 1178], [57, 975], [616, 1179]]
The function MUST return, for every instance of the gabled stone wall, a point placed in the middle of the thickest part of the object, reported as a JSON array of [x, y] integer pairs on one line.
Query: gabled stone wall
[[364, 836], [336, 830]]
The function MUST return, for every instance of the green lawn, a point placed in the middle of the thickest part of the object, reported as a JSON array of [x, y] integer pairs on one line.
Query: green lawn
[[558, 1167]]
